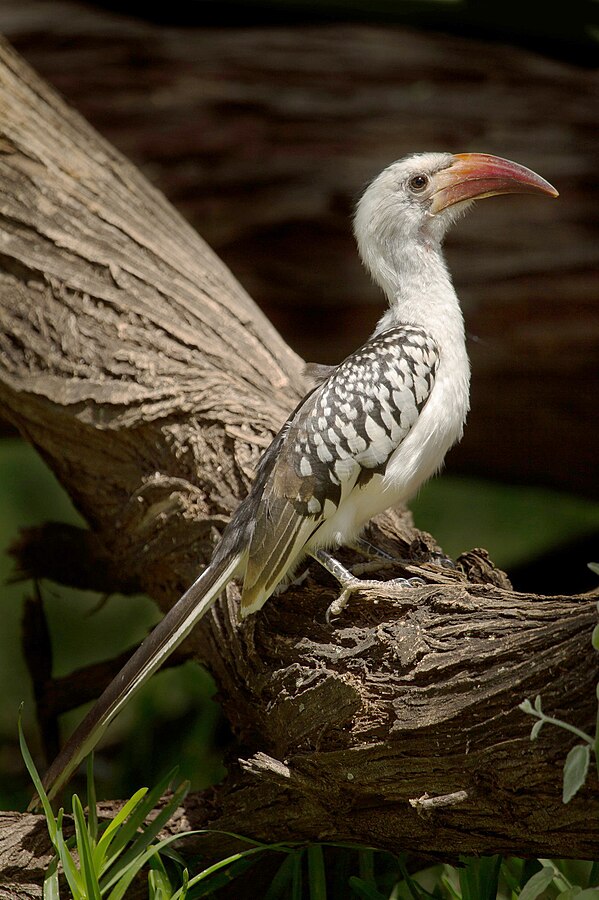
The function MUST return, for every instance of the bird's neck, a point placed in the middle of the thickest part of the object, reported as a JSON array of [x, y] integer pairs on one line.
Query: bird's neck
[[418, 287]]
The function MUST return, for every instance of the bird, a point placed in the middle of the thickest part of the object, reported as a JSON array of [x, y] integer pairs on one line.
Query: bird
[[366, 436]]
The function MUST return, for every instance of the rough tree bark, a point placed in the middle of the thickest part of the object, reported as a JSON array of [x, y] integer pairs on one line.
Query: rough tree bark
[[149, 382]]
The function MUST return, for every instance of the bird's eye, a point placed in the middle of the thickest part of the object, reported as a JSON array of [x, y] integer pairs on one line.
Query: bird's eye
[[418, 183]]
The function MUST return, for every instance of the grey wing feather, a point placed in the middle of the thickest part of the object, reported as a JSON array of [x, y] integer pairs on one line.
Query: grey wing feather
[[343, 432], [317, 373]]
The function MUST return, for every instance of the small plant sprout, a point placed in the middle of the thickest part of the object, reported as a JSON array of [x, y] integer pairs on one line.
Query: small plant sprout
[[577, 762]]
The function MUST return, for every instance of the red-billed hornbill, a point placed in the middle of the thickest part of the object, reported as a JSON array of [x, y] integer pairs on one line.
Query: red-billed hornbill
[[366, 437]]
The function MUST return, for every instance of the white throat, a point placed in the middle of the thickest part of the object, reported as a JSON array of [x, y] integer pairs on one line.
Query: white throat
[[418, 288]]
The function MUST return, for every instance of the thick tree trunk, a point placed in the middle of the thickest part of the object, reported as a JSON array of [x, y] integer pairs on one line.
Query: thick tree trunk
[[150, 383], [263, 138]]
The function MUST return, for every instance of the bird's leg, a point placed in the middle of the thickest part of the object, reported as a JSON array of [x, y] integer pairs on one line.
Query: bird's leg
[[377, 559], [371, 551], [378, 556], [350, 583]]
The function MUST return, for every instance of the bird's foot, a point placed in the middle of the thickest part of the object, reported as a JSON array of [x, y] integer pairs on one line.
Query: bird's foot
[[444, 562], [350, 583]]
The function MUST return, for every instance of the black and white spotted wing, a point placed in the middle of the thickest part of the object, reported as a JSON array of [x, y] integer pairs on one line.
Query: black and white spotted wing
[[343, 433]]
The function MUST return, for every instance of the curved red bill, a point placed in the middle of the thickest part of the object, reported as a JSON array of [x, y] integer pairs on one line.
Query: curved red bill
[[475, 175]]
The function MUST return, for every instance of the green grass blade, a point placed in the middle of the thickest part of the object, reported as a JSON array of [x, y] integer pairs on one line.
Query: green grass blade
[[366, 865], [446, 882], [587, 894], [51, 889], [185, 885], [157, 866], [37, 781], [218, 880], [278, 887], [225, 863], [135, 866], [511, 871], [72, 875], [144, 838], [364, 889], [317, 882], [120, 889], [297, 885], [217, 867], [84, 849], [126, 833], [479, 877], [92, 810], [416, 891], [101, 850], [159, 885]]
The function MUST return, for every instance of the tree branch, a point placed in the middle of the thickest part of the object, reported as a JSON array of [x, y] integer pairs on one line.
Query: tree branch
[[149, 382]]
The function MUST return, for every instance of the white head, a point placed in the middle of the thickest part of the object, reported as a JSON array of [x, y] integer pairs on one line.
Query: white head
[[408, 208]]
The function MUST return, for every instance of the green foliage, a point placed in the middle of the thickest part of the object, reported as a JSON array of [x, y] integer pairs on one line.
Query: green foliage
[[112, 854], [577, 762], [515, 523]]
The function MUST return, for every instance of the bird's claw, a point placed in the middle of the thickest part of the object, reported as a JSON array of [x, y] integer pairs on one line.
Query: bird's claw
[[444, 562], [357, 584]]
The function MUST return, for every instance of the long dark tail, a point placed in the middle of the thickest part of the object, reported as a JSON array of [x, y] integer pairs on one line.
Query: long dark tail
[[148, 657]]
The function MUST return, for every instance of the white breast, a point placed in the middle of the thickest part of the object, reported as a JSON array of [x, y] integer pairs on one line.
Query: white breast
[[439, 426], [420, 454]]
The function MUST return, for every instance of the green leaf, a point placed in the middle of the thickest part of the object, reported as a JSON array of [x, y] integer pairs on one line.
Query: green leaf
[[417, 892], [575, 770], [145, 837], [217, 880], [185, 885], [538, 707], [364, 889], [101, 851], [479, 877], [316, 874], [511, 872], [536, 729], [577, 893], [85, 852], [51, 887], [159, 885], [120, 889], [595, 637], [366, 865], [37, 781], [128, 830], [445, 881], [297, 884], [282, 879], [526, 707], [594, 567], [92, 811], [72, 875], [539, 882]]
